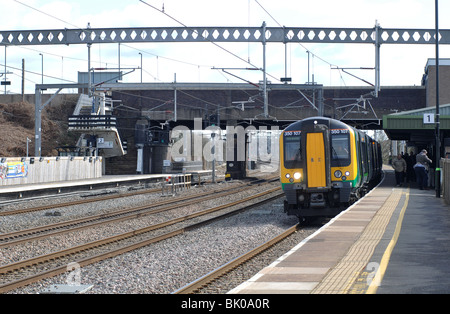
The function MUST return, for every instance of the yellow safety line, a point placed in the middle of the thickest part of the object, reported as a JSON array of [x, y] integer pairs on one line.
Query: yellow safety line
[[341, 278], [387, 253]]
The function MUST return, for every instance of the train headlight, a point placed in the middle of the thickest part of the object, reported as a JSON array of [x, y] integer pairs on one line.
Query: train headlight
[[347, 173], [297, 175], [287, 175], [338, 173]]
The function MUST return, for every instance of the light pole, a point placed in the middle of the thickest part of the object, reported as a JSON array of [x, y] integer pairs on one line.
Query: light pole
[[140, 92], [28, 141], [213, 151], [5, 69], [438, 136]]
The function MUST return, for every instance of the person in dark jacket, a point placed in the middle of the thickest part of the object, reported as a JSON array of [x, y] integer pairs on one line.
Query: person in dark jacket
[[399, 165], [421, 169], [410, 161]]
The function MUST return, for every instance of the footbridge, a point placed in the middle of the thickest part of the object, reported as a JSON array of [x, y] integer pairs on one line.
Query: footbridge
[[223, 104]]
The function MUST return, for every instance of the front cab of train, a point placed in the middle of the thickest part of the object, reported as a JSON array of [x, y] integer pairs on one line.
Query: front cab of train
[[317, 166]]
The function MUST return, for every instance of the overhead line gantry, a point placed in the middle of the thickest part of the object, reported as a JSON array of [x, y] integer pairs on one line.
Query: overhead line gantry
[[376, 36]]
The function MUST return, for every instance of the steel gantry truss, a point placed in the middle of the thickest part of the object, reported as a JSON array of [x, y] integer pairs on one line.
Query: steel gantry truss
[[376, 36], [373, 35]]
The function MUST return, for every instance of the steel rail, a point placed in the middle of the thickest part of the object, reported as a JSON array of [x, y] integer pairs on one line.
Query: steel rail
[[226, 268], [80, 202], [77, 202], [128, 213], [86, 261]]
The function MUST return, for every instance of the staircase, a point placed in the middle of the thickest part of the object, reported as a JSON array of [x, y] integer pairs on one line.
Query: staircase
[[93, 118]]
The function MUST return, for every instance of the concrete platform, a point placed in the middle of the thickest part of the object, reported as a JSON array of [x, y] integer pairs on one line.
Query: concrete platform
[[67, 186], [38, 189], [394, 240]]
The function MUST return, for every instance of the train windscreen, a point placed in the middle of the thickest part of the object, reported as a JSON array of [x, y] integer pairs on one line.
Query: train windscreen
[[292, 150], [340, 148]]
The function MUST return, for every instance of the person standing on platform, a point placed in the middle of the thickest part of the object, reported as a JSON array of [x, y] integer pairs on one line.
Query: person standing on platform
[[410, 161], [421, 169], [399, 165]]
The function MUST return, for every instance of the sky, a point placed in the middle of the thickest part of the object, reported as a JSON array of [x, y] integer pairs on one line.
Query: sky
[[401, 65]]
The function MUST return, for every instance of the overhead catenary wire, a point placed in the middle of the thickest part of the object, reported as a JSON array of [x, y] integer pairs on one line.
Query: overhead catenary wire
[[141, 50], [174, 19], [36, 73], [49, 15], [212, 42], [309, 51], [87, 30], [314, 55], [332, 66]]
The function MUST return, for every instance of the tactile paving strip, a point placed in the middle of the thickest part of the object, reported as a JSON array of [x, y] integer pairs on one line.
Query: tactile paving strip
[[342, 277], [337, 258]]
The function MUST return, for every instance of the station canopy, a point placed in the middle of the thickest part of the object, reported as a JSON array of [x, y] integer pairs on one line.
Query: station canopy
[[417, 126]]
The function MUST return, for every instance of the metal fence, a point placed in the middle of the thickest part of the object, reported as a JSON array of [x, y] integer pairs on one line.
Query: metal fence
[[176, 182]]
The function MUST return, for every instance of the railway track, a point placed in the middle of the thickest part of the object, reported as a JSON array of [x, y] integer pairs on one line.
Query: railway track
[[202, 283], [17, 237], [77, 202], [100, 198], [34, 269]]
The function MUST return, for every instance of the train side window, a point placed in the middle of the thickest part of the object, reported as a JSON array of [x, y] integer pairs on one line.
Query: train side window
[[340, 150], [292, 151]]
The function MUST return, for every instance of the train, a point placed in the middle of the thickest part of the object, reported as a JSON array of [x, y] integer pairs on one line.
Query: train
[[325, 165]]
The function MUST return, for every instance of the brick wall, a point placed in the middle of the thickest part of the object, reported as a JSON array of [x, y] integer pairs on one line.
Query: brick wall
[[444, 85]]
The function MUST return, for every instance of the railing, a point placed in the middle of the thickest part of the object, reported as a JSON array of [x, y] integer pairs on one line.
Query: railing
[[92, 121], [176, 182]]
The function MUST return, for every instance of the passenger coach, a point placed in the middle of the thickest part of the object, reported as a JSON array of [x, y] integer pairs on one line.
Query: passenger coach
[[326, 164]]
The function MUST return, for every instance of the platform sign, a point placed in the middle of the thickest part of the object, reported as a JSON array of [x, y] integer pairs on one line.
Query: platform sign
[[428, 118], [101, 143]]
